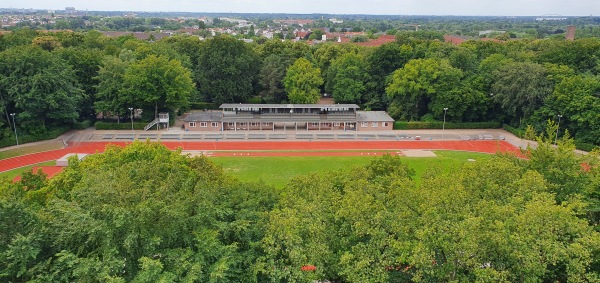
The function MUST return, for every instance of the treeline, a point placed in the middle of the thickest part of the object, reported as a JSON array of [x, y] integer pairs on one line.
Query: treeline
[[50, 79], [146, 214]]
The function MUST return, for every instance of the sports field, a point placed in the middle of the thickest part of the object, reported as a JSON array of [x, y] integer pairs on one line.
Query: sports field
[[278, 170]]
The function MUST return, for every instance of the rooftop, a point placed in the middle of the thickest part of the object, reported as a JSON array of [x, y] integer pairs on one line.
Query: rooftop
[[291, 106], [204, 116], [373, 116]]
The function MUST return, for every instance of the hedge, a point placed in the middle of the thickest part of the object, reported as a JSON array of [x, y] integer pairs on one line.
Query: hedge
[[398, 125], [517, 132], [120, 126], [585, 146], [25, 138]]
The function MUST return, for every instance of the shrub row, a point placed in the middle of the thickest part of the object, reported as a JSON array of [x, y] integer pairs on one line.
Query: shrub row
[[119, 126], [26, 138], [517, 132], [398, 125], [585, 146]]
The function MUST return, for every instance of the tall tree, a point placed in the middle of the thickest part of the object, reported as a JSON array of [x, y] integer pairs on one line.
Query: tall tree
[[42, 87], [347, 78], [271, 77], [420, 82], [109, 98], [382, 62], [226, 70], [520, 88], [302, 82], [155, 81]]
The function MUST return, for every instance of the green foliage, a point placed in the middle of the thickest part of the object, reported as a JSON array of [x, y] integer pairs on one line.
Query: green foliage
[[302, 82], [39, 86], [420, 85], [29, 138], [155, 81], [119, 126], [399, 125], [520, 88], [226, 70], [517, 132], [347, 78], [144, 213]]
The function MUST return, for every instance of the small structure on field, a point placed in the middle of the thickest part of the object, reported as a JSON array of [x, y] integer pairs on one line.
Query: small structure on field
[[64, 161]]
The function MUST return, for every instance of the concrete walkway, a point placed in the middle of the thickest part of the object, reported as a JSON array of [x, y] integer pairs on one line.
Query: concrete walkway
[[176, 134]]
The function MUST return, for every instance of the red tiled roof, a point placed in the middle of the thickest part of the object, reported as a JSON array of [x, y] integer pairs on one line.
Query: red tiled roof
[[454, 39]]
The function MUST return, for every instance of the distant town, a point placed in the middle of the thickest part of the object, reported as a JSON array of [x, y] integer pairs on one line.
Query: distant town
[[366, 30]]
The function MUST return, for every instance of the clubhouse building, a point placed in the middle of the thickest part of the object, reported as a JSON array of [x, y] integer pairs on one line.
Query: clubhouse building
[[296, 117]]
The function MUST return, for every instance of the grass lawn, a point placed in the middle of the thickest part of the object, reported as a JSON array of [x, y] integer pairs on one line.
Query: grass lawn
[[16, 172], [277, 171], [28, 149]]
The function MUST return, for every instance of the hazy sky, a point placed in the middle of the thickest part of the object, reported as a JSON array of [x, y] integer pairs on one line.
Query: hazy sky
[[395, 7]]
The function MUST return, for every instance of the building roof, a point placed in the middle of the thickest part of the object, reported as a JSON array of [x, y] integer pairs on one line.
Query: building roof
[[291, 106], [204, 116], [373, 116]]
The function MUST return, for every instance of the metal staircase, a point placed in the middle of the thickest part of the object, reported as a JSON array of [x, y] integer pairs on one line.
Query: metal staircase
[[154, 122]]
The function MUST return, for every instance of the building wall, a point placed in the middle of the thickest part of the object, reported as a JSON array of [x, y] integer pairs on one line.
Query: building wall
[[375, 126], [198, 126]]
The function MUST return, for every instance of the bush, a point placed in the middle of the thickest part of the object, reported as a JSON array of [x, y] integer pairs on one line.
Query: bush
[[585, 146], [83, 125], [398, 125], [517, 132], [119, 126], [27, 138]]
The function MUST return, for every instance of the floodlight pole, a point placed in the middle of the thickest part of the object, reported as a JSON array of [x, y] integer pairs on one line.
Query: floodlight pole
[[132, 132], [15, 125], [444, 124], [557, 127]]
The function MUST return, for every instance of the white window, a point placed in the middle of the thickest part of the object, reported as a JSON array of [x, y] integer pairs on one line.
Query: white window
[[375, 124], [254, 124], [243, 124], [315, 124], [192, 124], [203, 124], [230, 124], [385, 124], [266, 124], [336, 124], [214, 124], [364, 124]]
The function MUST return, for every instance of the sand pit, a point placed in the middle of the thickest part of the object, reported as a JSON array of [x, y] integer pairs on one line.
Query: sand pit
[[418, 153]]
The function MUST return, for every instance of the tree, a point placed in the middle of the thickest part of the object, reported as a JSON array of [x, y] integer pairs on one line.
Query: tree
[[226, 70], [155, 81], [420, 82], [302, 82], [347, 78], [520, 88], [271, 78], [135, 214], [86, 64], [110, 98], [41, 86], [382, 62]]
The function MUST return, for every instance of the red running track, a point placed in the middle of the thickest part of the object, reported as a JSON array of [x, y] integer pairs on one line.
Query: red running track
[[290, 146]]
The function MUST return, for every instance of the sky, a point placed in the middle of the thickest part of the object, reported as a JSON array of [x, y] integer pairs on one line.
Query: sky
[[375, 7]]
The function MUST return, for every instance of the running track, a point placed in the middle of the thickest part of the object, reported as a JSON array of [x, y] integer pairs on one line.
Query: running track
[[290, 146]]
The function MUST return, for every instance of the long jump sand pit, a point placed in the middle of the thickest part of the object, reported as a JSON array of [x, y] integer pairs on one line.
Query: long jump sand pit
[[418, 153]]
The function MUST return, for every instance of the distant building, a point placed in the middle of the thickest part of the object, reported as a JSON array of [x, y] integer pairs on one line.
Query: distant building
[[570, 33]]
